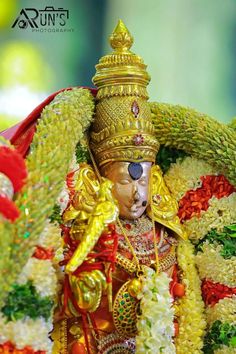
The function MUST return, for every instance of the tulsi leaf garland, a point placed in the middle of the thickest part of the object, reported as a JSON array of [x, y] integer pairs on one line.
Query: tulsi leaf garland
[[220, 334], [166, 156], [81, 153], [227, 238], [24, 301], [56, 215]]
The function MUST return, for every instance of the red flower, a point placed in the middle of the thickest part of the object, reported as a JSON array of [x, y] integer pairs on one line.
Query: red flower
[[212, 293], [43, 253], [9, 348], [195, 201]]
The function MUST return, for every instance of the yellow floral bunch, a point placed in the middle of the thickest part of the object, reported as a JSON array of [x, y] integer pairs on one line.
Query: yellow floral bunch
[[61, 125], [192, 321]]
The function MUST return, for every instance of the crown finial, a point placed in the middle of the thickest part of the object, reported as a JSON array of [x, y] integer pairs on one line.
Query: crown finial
[[121, 38]]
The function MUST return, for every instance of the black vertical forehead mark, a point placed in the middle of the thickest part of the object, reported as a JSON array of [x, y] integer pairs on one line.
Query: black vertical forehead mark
[[135, 170]]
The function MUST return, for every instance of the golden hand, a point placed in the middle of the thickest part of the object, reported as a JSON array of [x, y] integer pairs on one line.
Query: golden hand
[[87, 288]]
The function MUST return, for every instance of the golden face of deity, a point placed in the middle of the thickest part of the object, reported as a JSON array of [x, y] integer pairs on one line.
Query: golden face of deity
[[131, 186]]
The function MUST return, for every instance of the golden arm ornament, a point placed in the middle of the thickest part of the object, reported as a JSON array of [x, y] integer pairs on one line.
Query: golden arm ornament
[[105, 211], [164, 206], [92, 209]]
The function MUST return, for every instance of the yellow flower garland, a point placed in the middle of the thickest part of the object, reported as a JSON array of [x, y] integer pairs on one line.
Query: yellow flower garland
[[61, 126], [192, 321]]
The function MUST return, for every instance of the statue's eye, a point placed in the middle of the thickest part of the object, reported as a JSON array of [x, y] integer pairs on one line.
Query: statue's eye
[[142, 182], [124, 181]]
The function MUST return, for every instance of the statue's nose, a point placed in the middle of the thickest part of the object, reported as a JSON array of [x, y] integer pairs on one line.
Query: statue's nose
[[136, 196]]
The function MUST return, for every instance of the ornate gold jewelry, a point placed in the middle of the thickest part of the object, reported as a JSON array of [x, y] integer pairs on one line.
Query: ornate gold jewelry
[[123, 262], [125, 309], [163, 207], [87, 288], [137, 226], [59, 337], [93, 217], [113, 343], [122, 128]]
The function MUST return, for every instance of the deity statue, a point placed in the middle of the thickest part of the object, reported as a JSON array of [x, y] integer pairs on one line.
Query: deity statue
[[123, 221], [102, 250]]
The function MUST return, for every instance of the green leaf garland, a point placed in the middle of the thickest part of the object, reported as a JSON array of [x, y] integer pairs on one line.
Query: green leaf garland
[[218, 335], [226, 238], [24, 301]]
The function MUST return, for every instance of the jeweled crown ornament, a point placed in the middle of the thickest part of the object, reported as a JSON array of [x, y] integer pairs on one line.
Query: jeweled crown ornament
[[122, 128]]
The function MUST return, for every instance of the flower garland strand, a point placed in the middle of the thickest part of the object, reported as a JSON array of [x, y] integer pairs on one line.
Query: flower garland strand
[[216, 260], [211, 265], [221, 212], [196, 201], [61, 125], [196, 134], [192, 321], [34, 298], [223, 311], [184, 175], [156, 324], [26, 317]]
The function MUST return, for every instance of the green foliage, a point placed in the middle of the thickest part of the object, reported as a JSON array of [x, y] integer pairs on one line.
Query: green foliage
[[56, 215], [166, 156], [218, 335], [81, 153], [226, 238], [24, 301]]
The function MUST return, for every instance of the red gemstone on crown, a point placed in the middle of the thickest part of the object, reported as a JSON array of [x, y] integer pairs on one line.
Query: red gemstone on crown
[[135, 109], [138, 139]]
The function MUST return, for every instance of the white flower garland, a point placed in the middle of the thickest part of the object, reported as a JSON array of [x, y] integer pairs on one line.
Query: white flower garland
[[26, 332], [185, 175], [212, 266], [155, 326], [221, 212], [225, 350], [224, 311], [42, 274], [51, 236]]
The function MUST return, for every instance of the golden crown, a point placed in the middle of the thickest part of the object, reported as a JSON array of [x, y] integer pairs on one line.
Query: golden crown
[[122, 128]]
